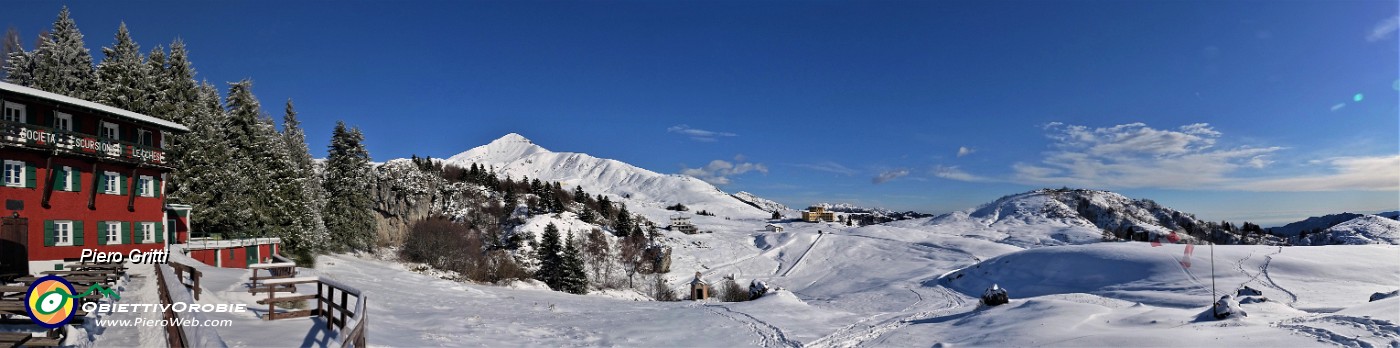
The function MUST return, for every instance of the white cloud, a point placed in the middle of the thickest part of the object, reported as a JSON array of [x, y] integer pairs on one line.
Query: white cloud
[[953, 173], [717, 172], [1135, 155], [1384, 29], [964, 151], [1339, 106], [889, 175], [698, 134], [1380, 173], [829, 167]]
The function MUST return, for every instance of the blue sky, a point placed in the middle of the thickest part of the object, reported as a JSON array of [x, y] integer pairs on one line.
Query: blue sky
[[1260, 111]]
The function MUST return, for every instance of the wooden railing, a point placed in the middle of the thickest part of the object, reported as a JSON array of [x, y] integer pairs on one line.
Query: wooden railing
[[173, 335], [193, 279], [35, 136], [333, 304], [173, 291]]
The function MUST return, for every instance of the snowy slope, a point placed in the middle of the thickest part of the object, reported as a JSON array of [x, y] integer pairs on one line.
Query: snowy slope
[[760, 202], [1366, 229], [1056, 217], [1312, 223], [518, 157]]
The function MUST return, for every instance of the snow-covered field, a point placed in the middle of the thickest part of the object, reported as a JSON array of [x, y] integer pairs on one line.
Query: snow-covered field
[[884, 286]]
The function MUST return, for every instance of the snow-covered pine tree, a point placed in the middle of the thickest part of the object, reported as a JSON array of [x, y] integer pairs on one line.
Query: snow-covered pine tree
[[347, 213], [122, 77], [551, 262], [181, 101], [274, 182], [313, 195], [62, 64], [157, 86], [622, 224], [178, 84], [206, 170], [10, 46], [573, 279], [19, 68]]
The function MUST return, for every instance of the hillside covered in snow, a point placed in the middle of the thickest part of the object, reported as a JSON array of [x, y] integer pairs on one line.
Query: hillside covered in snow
[[515, 156], [1365, 229]]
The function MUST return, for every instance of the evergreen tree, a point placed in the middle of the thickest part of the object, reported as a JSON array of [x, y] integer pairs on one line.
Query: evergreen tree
[[180, 103], [551, 262], [312, 195], [62, 64], [349, 220], [261, 157], [10, 47], [203, 169], [573, 279], [157, 84], [123, 76], [177, 84], [579, 195], [587, 216], [622, 224]]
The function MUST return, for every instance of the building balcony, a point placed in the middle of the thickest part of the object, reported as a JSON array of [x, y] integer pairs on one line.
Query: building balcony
[[80, 144]]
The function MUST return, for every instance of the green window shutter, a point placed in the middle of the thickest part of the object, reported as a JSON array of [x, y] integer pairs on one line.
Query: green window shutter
[[31, 116], [29, 175], [48, 233], [122, 185], [101, 181], [129, 233], [77, 180], [78, 232], [157, 189], [160, 232], [101, 233]]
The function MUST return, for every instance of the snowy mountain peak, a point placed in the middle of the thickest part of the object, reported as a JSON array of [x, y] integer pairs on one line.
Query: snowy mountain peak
[[506, 148], [515, 156]]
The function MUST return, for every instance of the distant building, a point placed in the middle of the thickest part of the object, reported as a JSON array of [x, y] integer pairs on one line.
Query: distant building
[[818, 213], [773, 228], [681, 222], [699, 289]]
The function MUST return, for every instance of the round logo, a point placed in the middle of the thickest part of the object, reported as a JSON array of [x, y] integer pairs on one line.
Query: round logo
[[50, 301]]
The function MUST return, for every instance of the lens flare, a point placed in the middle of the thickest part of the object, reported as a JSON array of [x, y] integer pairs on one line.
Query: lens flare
[[1357, 97]]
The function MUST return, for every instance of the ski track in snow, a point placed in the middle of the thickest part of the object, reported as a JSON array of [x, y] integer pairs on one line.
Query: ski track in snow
[[768, 335], [1265, 270], [804, 254], [860, 333], [1382, 329]]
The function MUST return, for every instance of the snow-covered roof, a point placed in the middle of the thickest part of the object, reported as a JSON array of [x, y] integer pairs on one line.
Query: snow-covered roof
[[132, 115]]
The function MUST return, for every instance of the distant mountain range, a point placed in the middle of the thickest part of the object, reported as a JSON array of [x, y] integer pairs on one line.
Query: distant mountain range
[[1039, 217]]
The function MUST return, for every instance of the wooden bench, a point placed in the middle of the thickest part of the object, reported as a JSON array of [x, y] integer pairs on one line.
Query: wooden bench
[[96, 266], [276, 270], [271, 287]]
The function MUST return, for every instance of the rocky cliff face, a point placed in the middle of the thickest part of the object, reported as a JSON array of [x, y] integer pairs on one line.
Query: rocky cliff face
[[404, 194]]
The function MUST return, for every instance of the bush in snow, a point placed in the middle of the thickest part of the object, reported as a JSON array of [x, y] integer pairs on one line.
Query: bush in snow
[[1248, 291], [995, 296], [730, 291], [1384, 295], [757, 288]]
